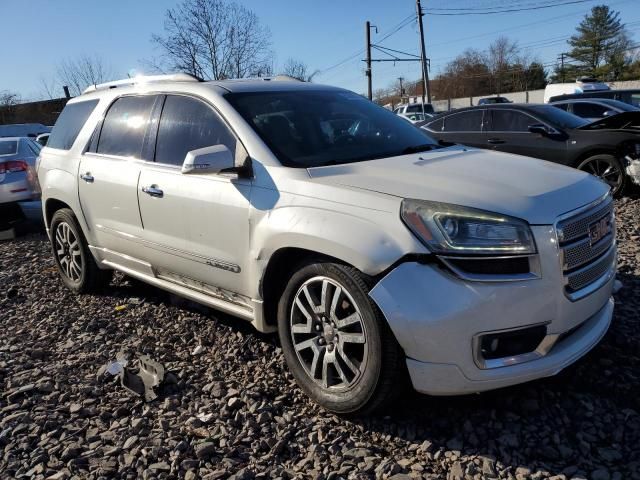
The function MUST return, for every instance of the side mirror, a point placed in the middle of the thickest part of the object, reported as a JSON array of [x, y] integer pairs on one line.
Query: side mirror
[[214, 159], [539, 128], [610, 113]]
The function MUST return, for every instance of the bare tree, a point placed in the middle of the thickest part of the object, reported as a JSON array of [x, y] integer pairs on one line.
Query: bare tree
[[214, 39], [82, 72], [49, 88], [8, 102], [298, 69]]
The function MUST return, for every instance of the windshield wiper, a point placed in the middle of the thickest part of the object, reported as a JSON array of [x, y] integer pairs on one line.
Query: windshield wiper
[[419, 148]]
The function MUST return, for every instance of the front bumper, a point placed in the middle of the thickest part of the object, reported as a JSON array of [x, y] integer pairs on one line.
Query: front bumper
[[435, 317]]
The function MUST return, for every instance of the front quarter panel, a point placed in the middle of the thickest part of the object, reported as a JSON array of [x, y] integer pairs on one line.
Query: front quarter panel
[[366, 233]]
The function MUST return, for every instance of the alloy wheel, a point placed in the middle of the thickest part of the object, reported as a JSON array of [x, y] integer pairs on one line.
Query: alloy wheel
[[68, 252], [328, 334], [606, 170]]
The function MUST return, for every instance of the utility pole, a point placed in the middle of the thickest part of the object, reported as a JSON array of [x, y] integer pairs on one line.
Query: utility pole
[[401, 89], [368, 72], [423, 56], [562, 66]]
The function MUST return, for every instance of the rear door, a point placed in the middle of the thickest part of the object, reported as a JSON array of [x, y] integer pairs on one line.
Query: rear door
[[508, 131], [196, 226], [109, 174], [465, 128]]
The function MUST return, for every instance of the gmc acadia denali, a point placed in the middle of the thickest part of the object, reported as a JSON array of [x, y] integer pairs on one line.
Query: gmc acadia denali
[[371, 249]]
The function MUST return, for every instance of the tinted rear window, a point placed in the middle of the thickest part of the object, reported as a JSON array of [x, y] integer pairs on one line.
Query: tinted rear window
[[69, 124], [464, 122], [8, 147], [125, 125]]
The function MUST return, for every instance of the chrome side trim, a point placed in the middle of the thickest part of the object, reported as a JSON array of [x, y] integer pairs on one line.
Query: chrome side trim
[[212, 262]]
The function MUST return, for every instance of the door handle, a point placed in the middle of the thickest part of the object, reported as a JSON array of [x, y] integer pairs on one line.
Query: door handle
[[153, 190], [87, 177], [495, 141]]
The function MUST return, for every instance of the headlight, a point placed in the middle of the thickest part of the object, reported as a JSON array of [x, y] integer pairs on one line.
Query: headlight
[[446, 228]]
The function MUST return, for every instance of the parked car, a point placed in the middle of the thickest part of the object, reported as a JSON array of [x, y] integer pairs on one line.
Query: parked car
[[31, 130], [581, 85], [17, 175], [593, 109], [608, 148], [43, 138], [493, 100], [413, 108], [371, 249], [630, 96]]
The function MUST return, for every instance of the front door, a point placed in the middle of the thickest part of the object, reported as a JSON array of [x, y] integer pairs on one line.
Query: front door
[[195, 226], [109, 174], [508, 131]]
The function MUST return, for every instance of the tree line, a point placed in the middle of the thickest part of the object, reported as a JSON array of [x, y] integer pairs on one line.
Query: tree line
[[601, 48]]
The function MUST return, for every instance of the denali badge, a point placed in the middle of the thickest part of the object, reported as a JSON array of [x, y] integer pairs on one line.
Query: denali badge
[[598, 230]]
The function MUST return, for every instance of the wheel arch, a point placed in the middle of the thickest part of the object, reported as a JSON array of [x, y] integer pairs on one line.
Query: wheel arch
[[602, 150]]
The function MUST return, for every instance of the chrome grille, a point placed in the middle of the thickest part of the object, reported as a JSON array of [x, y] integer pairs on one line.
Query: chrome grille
[[581, 252], [586, 276], [584, 263], [578, 226]]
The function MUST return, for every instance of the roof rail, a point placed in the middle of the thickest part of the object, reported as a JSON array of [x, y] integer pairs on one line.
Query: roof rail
[[142, 79]]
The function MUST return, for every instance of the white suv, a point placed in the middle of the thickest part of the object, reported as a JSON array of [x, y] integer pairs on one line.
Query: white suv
[[372, 250]]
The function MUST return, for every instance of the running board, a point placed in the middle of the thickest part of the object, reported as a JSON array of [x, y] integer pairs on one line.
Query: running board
[[254, 314]]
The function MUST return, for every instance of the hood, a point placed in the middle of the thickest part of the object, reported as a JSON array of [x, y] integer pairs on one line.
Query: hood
[[620, 121], [534, 190]]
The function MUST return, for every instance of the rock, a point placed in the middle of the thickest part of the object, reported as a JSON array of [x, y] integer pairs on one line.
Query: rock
[[205, 450], [600, 474], [456, 472]]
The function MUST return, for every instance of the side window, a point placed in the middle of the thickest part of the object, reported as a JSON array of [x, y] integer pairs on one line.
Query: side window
[[589, 110], [470, 121], [69, 124], [436, 125], [125, 125], [188, 124], [511, 121], [562, 106]]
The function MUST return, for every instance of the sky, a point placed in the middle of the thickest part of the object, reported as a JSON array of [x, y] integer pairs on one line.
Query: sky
[[328, 35]]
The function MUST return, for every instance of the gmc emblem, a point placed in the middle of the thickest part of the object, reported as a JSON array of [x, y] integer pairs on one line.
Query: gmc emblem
[[598, 230]]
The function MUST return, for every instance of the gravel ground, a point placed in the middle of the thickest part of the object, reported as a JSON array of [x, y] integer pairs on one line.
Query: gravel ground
[[236, 412]]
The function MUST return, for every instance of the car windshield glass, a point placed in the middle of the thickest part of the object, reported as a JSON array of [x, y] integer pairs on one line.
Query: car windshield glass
[[8, 147], [624, 107], [322, 127], [559, 117]]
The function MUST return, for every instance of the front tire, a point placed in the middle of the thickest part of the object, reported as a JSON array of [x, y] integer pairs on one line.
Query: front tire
[[336, 342], [76, 265], [609, 169]]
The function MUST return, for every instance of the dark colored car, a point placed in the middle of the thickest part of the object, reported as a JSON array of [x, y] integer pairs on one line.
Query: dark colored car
[[593, 109], [630, 96], [493, 100], [608, 148]]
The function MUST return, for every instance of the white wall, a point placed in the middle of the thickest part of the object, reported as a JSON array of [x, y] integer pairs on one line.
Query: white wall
[[533, 96]]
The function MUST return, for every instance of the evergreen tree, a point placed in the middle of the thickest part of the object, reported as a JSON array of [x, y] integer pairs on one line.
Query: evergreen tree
[[598, 47]]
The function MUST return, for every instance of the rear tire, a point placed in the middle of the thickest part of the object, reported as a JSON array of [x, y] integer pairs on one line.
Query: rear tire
[[76, 265], [609, 169], [336, 341]]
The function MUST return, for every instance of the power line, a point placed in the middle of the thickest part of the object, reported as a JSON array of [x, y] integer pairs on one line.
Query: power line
[[509, 10]]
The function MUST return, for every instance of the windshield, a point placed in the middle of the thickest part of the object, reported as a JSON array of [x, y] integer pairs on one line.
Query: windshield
[[624, 107], [324, 127], [8, 147], [559, 117]]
